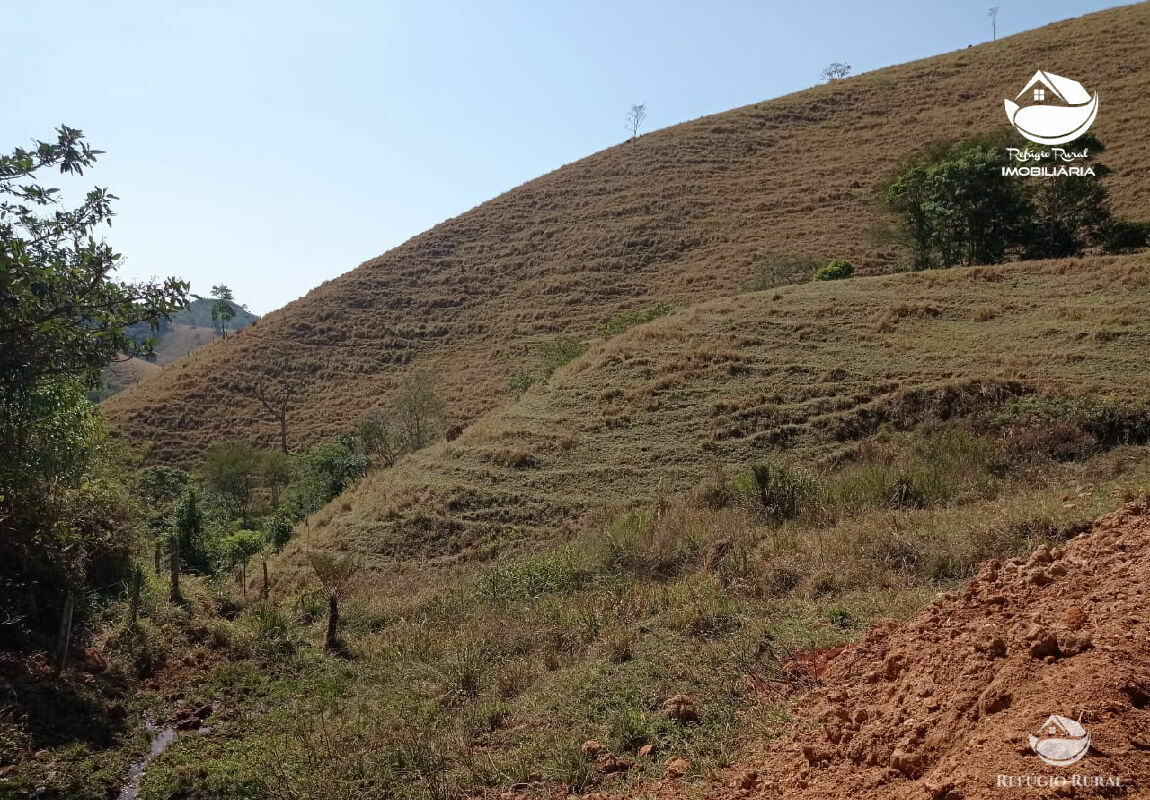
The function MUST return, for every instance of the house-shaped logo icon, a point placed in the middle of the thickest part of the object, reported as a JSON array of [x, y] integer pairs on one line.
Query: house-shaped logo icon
[[1061, 109], [1060, 741]]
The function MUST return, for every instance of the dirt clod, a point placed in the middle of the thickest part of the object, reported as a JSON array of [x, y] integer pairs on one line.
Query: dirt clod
[[592, 748], [681, 708]]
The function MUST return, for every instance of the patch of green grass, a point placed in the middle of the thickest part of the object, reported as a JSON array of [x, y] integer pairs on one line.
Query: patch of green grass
[[629, 319], [559, 352]]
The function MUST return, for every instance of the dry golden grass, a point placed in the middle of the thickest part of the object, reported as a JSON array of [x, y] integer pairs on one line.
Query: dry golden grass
[[679, 214], [658, 409]]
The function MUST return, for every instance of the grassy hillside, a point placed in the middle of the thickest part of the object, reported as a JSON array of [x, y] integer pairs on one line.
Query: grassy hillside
[[631, 568], [198, 314], [687, 213], [802, 372]]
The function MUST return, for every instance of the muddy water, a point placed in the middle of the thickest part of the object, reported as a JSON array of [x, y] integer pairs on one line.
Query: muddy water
[[162, 736]]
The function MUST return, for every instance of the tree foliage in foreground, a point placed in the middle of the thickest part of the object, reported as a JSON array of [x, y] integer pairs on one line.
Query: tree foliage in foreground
[[63, 318]]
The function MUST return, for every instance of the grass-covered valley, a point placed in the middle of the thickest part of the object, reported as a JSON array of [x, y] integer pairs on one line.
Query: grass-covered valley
[[616, 484]]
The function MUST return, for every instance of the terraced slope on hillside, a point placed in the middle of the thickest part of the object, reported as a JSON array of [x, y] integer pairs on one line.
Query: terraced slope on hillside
[[682, 213], [802, 373]]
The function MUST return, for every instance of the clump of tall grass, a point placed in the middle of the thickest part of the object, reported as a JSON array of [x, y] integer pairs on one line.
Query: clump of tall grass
[[915, 471], [784, 492], [559, 570]]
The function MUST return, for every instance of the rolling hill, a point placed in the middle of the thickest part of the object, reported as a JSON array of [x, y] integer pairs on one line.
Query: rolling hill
[[685, 214], [648, 567], [188, 330], [803, 371]]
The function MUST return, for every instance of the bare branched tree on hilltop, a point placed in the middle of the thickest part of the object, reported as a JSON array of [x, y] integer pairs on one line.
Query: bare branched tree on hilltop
[[635, 118], [836, 71]]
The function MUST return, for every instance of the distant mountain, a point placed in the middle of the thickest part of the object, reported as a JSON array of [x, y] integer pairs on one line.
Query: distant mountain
[[198, 314], [186, 331]]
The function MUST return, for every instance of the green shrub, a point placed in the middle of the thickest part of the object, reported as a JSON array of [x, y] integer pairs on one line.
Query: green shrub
[[279, 530], [272, 630], [229, 471], [1125, 237], [642, 544], [522, 380], [532, 576], [464, 674], [567, 765], [629, 729], [784, 493], [836, 270], [773, 269], [560, 351], [324, 471], [1071, 428]]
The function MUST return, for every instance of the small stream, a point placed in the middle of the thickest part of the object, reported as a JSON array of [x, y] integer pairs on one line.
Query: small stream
[[162, 736]]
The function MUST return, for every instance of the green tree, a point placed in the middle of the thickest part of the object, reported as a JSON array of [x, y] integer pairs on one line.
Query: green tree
[[955, 205], [63, 318], [229, 471], [276, 470], [158, 488], [238, 549], [61, 313], [418, 409], [323, 472], [1070, 213], [223, 311], [188, 547], [377, 438]]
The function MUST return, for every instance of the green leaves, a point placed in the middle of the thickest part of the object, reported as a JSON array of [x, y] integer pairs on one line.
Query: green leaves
[[956, 205], [61, 313], [62, 320]]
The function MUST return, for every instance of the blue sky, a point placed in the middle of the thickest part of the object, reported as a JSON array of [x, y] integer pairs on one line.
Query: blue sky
[[272, 146]]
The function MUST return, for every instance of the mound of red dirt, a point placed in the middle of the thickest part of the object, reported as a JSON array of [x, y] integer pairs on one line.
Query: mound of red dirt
[[945, 705]]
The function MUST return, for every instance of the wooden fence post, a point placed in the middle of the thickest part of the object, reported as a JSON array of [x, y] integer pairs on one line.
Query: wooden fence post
[[65, 640], [176, 598], [137, 581]]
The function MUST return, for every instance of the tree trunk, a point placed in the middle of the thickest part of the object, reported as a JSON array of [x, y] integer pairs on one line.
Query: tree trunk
[[176, 598], [266, 591], [332, 623], [283, 433]]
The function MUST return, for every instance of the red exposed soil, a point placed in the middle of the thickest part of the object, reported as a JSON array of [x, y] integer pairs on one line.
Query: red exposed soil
[[944, 705]]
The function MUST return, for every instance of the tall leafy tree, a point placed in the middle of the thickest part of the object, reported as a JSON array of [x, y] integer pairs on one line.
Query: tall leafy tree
[[955, 205], [223, 310], [63, 318], [62, 313]]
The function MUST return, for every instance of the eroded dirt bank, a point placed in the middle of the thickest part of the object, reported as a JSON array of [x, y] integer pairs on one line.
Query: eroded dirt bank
[[944, 706]]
